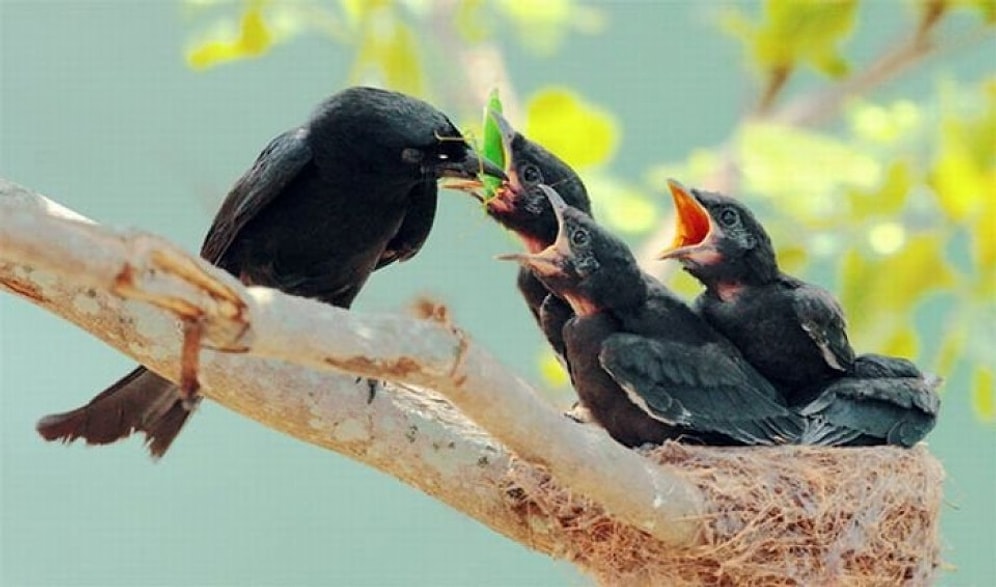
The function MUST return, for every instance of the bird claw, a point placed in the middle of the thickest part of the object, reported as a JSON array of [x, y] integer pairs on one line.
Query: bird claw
[[159, 274], [193, 330], [372, 386]]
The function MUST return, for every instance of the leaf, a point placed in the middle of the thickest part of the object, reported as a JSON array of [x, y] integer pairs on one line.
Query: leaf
[[701, 165], [469, 22], [885, 238], [357, 11], [253, 39], [792, 32], [619, 205], [551, 371], [950, 351], [789, 165], [984, 394], [985, 8], [888, 198], [684, 284], [543, 25], [886, 125], [956, 178], [388, 46], [902, 343], [964, 173], [792, 258], [578, 132], [892, 284]]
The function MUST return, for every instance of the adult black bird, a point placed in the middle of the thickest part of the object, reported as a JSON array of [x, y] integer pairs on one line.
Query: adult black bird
[[791, 331], [521, 207], [325, 204], [643, 363], [883, 400]]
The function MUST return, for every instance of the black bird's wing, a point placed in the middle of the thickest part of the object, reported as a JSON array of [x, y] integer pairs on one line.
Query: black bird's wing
[[553, 315], [275, 168], [415, 227], [863, 411], [822, 318], [533, 291], [700, 387]]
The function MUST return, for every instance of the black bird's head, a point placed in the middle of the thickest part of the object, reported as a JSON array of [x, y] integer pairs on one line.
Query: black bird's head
[[520, 205], [585, 265], [718, 239], [395, 137]]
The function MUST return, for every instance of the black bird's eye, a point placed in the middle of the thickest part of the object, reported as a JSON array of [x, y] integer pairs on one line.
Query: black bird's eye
[[729, 217], [412, 156], [531, 174], [579, 237]]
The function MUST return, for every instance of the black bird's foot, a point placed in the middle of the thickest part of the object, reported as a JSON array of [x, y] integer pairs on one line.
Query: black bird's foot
[[372, 386], [193, 329], [579, 414]]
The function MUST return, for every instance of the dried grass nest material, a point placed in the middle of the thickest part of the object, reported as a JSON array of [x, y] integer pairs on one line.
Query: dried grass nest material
[[774, 516]]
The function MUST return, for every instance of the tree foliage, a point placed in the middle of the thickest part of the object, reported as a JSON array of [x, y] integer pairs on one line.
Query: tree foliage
[[897, 198]]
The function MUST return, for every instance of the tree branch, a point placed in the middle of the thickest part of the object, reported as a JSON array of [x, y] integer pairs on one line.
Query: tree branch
[[286, 346]]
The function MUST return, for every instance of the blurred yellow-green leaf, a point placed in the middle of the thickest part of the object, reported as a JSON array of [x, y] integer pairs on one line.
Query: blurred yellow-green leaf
[[551, 371], [580, 133], [964, 173], [885, 124], [950, 351], [985, 8], [358, 10], [791, 166], [252, 39], [792, 258], [470, 21], [790, 32], [886, 199], [683, 283], [700, 165], [543, 25], [984, 394], [388, 46], [619, 205], [872, 287], [903, 342]]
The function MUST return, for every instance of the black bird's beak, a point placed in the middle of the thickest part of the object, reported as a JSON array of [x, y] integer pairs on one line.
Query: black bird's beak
[[694, 229], [468, 171]]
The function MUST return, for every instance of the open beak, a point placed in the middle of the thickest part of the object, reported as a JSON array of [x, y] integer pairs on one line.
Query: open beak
[[693, 225], [548, 262], [556, 258]]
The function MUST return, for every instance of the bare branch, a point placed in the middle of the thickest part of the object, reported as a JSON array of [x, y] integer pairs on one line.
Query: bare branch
[[280, 377]]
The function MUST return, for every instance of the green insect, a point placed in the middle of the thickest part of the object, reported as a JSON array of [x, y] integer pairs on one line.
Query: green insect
[[493, 147]]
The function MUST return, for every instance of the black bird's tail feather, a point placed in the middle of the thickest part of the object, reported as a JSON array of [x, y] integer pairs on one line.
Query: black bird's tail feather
[[140, 401]]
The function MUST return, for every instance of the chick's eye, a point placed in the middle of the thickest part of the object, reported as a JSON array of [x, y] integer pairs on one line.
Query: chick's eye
[[531, 174], [579, 237], [729, 217]]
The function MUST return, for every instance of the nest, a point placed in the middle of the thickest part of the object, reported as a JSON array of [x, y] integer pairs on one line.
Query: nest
[[774, 516]]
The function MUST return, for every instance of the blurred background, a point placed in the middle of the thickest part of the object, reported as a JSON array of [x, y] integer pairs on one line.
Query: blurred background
[[143, 114]]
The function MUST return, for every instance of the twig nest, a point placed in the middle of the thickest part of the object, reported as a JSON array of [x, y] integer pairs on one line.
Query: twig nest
[[794, 515]]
